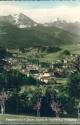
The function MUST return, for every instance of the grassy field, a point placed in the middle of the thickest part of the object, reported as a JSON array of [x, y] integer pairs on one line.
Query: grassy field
[[14, 119], [73, 48]]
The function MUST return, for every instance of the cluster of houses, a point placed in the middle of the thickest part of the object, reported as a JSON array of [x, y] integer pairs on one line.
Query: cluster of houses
[[60, 68]]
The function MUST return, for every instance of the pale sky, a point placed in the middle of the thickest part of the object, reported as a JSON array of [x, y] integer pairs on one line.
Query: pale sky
[[44, 11]]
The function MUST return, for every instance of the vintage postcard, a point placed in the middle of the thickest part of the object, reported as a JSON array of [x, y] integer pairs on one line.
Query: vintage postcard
[[40, 62]]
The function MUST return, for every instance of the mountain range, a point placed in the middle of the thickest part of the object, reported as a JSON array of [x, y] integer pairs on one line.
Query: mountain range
[[73, 27], [19, 31]]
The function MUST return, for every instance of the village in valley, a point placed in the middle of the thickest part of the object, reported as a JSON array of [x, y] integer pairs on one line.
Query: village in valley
[[45, 71]]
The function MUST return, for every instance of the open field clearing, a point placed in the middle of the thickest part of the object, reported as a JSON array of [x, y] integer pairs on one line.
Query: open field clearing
[[73, 49]]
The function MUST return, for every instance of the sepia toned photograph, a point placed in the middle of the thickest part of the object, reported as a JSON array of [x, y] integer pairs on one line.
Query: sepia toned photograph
[[40, 62]]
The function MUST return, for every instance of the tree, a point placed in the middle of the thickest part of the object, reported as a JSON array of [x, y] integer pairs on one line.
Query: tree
[[46, 109], [66, 52], [37, 107], [73, 85], [55, 105], [3, 98], [73, 89], [3, 52]]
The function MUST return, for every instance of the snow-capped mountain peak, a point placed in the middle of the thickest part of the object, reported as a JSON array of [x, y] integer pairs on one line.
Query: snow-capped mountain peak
[[16, 17], [23, 21], [20, 20]]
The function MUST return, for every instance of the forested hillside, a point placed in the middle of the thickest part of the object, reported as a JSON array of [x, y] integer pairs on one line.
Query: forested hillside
[[14, 37]]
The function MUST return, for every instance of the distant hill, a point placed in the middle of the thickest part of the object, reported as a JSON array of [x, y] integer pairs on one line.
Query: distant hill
[[12, 36], [73, 27]]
